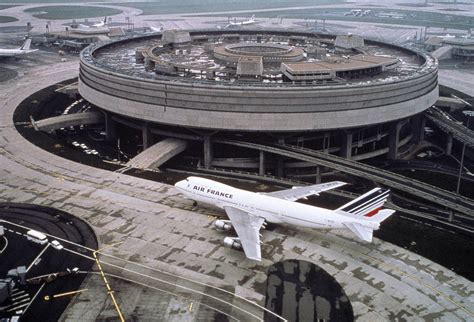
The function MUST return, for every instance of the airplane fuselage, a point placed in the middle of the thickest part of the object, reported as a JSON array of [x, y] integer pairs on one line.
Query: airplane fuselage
[[274, 210], [14, 52]]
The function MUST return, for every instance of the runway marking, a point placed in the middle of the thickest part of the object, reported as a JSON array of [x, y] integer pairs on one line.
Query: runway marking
[[37, 257]]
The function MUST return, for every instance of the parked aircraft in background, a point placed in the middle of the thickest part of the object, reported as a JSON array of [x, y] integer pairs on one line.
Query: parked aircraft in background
[[241, 23], [23, 50], [154, 29], [100, 24], [249, 211]]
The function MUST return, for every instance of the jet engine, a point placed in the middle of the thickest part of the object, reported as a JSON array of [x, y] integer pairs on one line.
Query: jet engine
[[224, 225], [233, 242]]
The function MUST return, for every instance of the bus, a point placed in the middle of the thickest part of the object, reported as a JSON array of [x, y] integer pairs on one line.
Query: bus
[[37, 237]]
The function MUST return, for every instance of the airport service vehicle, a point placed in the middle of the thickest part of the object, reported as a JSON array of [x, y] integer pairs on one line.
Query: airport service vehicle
[[249, 211], [23, 50], [37, 237], [56, 245]]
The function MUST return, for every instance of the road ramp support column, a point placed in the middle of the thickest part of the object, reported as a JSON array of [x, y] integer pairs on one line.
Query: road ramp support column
[[261, 164], [418, 125], [394, 140], [449, 144], [110, 127], [346, 148], [147, 139], [208, 152]]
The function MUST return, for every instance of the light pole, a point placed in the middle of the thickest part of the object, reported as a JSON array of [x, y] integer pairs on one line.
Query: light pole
[[468, 114]]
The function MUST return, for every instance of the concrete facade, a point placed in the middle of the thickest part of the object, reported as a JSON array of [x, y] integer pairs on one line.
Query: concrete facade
[[257, 107]]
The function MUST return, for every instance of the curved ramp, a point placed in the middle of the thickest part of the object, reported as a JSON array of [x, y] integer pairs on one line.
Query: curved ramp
[[459, 131], [58, 122], [157, 154]]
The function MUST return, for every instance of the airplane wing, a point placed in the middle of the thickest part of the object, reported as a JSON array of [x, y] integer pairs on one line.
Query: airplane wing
[[247, 227], [302, 192]]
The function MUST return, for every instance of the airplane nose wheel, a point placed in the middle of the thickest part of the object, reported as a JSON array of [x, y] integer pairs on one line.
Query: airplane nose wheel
[[195, 203]]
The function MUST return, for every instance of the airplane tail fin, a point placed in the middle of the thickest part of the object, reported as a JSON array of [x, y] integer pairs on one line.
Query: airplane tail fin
[[26, 45], [367, 205], [365, 232], [381, 215]]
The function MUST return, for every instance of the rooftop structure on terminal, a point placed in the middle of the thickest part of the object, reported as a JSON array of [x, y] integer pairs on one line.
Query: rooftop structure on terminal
[[269, 57], [451, 47]]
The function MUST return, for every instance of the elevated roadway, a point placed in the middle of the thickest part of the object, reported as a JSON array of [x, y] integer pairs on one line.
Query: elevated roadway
[[459, 131], [58, 122], [433, 194], [157, 154]]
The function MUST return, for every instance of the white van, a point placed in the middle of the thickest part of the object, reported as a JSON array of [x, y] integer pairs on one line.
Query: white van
[[37, 237]]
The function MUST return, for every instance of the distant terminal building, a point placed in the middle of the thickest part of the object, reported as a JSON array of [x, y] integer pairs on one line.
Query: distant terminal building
[[461, 48], [341, 94]]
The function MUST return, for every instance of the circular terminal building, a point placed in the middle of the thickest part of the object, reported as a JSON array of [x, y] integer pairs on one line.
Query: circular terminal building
[[342, 94]]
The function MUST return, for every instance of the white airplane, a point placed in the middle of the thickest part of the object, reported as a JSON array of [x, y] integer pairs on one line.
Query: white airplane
[[249, 211], [96, 25], [101, 23], [154, 29], [23, 50], [241, 23]]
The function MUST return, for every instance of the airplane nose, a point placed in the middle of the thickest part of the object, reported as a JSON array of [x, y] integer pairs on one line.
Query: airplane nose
[[180, 184]]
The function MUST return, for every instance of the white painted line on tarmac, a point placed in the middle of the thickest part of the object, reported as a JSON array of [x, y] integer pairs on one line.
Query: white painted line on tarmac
[[20, 297], [6, 244], [18, 307], [34, 297], [37, 257], [17, 291], [21, 301]]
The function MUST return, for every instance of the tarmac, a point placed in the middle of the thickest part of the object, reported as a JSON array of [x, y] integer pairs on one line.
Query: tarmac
[[174, 247]]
